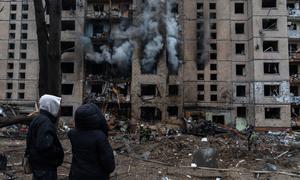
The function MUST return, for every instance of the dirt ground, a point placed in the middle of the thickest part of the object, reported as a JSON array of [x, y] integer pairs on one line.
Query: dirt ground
[[170, 157]]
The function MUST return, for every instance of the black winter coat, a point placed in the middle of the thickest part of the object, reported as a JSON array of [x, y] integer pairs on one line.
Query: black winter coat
[[43, 147], [93, 157]]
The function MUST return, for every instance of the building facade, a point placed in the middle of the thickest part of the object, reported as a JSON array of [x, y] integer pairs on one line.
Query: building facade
[[158, 61]]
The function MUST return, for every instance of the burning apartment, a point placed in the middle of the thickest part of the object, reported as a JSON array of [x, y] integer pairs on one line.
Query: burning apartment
[[158, 61]]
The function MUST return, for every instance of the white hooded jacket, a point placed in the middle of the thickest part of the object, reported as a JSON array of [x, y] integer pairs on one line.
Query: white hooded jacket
[[50, 103]]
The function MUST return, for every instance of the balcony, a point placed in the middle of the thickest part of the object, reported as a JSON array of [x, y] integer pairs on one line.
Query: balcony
[[295, 78], [114, 14], [293, 34], [294, 13]]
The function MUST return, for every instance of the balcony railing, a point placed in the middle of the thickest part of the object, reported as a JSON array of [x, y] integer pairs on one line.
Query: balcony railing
[[294, 34]]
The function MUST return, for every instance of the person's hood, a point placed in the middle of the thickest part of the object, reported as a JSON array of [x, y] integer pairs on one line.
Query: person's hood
[[89, 117], [50, 104]]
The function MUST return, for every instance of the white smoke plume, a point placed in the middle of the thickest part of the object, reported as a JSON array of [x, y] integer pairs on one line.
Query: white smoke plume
[[122, 55], [172, 36], [152, 37]]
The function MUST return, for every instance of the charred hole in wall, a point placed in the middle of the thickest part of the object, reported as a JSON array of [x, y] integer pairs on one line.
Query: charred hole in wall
[[239, 28], [148, 90], [269, 24], [272, 113], [240, 70], [67, 25], [172, 111], [173, 90], [271, 90], [271, 68], [69, 5], [270, 46], [67, 67], [67, 89], [269, 3], [67, 46], [294, 90], [241, 112], [219, 119], [150, 114], [240, 91], [66, 111]]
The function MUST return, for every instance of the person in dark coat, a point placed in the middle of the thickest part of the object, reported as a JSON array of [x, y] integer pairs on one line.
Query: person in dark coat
[[93, 157], [43, 149]]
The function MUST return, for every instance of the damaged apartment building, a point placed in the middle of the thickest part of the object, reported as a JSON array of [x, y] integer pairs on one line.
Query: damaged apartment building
[[152, 61]]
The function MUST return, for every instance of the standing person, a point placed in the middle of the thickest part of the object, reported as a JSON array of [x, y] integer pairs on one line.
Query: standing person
[[93, 157], [44, 151]]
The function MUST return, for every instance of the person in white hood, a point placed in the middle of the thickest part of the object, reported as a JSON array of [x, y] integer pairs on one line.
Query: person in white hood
[[44, 151]]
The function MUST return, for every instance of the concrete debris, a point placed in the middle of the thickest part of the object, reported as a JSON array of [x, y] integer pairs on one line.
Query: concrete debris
[[270, 167], [205, 158]]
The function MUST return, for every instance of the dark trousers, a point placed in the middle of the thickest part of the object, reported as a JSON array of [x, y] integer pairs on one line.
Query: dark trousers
[[44, 174]]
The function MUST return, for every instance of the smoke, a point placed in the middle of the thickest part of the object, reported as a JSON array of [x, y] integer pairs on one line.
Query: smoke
[[122, 55], [148, 30], [151, 50], [150, 34], [172, 36]]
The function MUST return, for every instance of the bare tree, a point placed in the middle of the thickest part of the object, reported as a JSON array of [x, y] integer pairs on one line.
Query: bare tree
[[49, 45]]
